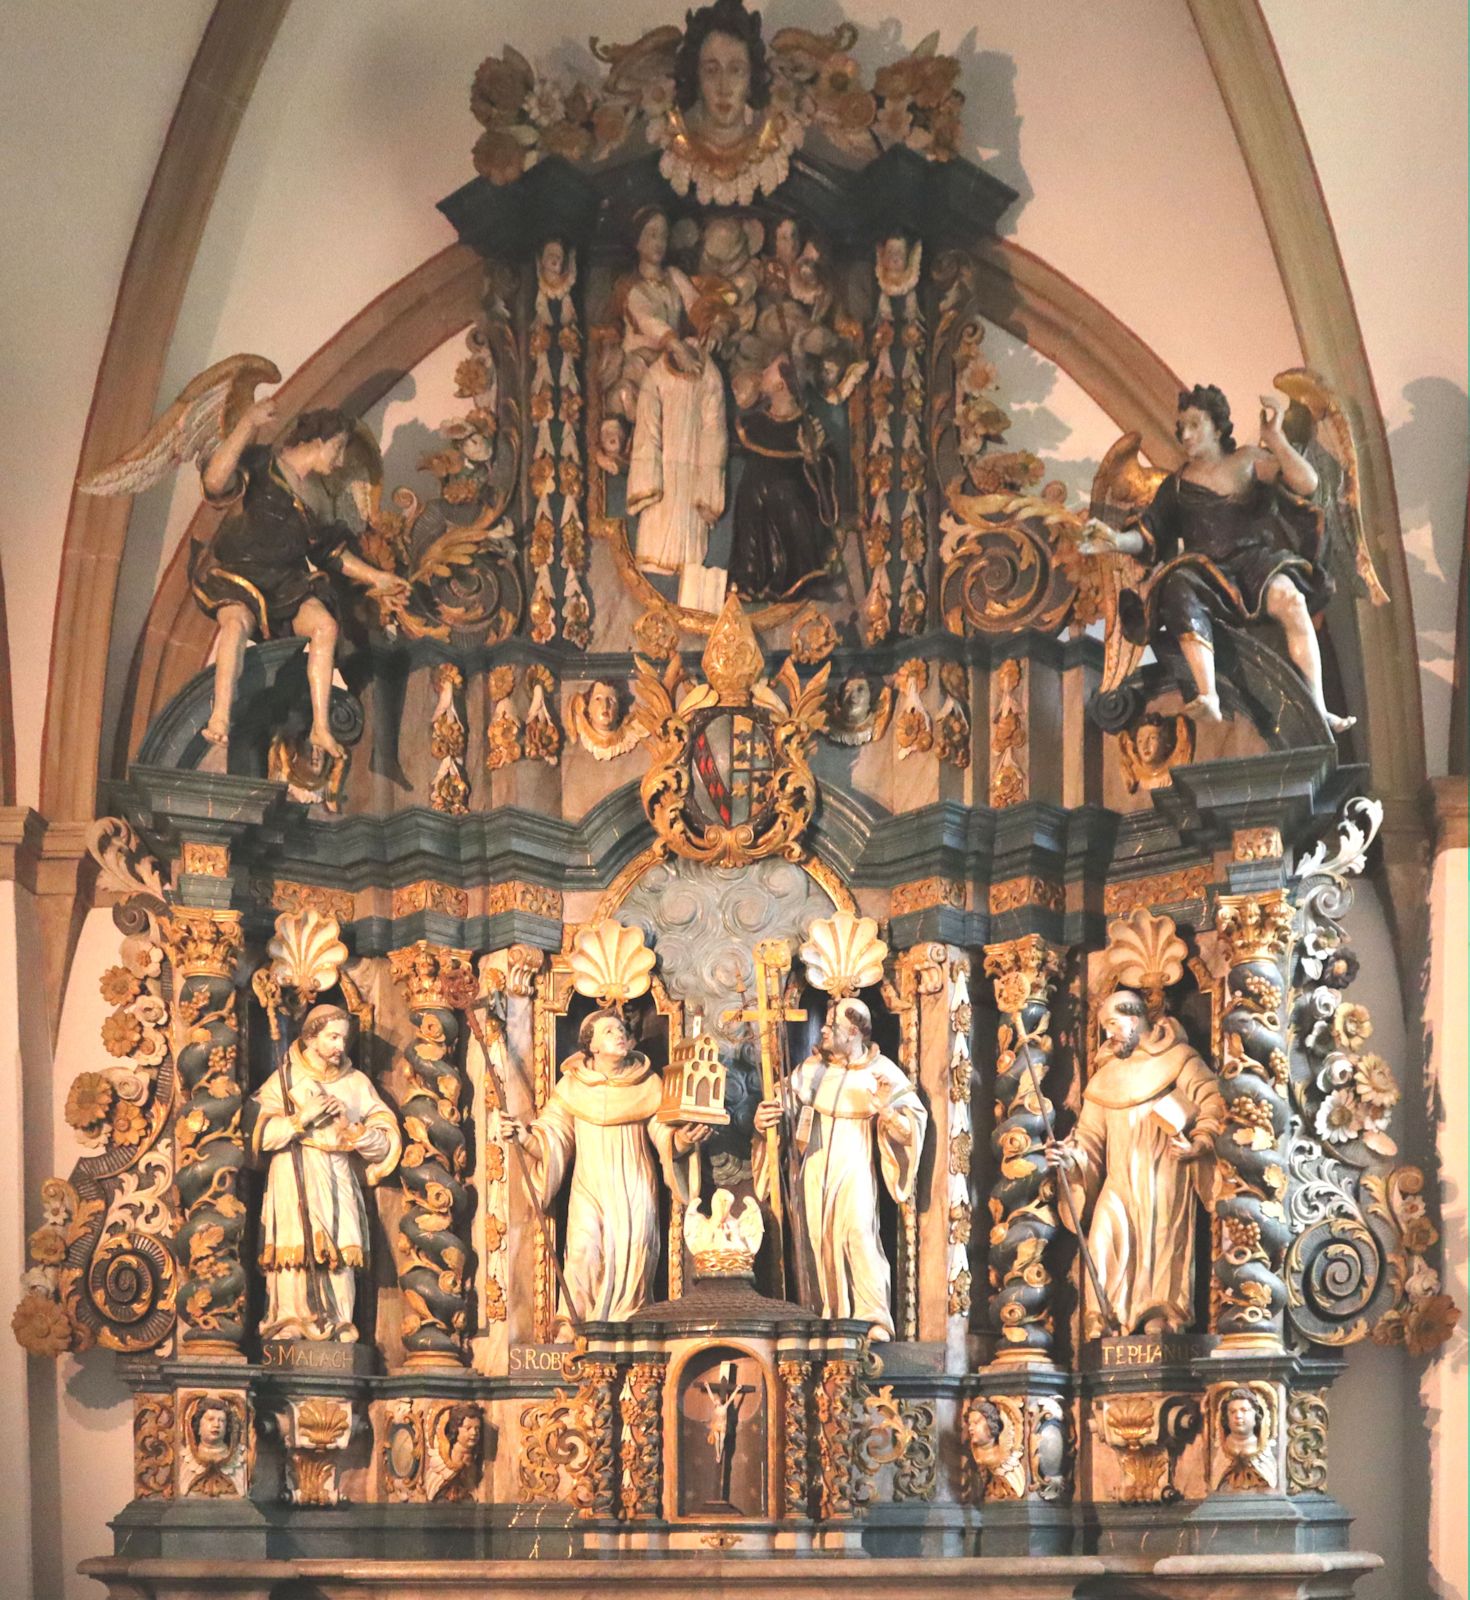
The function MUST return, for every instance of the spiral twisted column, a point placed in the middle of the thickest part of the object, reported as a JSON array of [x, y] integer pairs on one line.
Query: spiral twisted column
[[1023, 1213], [204, 949], [433, 1244], [1251, 1228]]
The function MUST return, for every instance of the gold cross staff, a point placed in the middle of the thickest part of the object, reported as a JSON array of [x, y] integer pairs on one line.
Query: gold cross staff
[[770, 1014]]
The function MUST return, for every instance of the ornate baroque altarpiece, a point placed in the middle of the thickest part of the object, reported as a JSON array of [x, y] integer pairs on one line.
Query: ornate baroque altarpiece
[[764, 989]]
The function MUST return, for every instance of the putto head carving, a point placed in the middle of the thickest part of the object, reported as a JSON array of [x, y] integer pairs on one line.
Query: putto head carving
[[706, 72]]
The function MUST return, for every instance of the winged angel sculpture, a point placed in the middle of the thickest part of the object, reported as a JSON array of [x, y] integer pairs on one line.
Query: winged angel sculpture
[[1237, 534], [271, 568]]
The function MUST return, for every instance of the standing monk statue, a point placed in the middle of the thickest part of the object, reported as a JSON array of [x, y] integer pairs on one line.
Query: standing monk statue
[[600, 1121], [843, 1097], [319, 1117], [1143, 1148]]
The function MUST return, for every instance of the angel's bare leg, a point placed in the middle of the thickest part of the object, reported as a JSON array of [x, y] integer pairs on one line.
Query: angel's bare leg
[[314, 623], [236, 628], [1200, 654], [1286, 603]]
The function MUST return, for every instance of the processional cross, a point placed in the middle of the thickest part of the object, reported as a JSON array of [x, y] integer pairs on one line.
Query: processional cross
[[770, 1014]]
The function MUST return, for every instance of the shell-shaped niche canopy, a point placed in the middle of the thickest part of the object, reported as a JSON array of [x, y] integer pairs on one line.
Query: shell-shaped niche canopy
[[843, 954], [1146, 953], [306, 952], [610, 963]]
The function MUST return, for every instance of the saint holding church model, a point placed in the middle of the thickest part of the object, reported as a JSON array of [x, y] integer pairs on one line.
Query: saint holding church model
[[1141, 1152], [601, 1122], [844, 1096]]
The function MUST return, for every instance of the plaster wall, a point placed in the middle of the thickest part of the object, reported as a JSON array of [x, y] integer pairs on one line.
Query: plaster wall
[[1380, 89], [87, 103], [1443, 1392]]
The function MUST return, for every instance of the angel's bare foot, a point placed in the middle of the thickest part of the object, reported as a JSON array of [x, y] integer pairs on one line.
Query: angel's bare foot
[[1341, 724], [217, 730], [321, 740], [1204, 708]]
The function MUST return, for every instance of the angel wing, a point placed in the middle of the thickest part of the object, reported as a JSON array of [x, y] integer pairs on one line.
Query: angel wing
[[1123, 488], [193, 425], [1317, 426]]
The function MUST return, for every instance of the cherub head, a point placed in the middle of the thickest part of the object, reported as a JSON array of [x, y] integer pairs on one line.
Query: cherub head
[[1243, 1417], [720, 70], [602, 708], [213, 1428], [983, 1426]]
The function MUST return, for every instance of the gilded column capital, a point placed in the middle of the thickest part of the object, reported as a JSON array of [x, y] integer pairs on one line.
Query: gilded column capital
[[1025, 970], [433, 974], [1255, 927], [203, 943]]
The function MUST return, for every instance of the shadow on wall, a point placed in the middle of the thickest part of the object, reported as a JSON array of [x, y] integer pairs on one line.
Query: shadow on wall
[[987, 80], [1431, 458]]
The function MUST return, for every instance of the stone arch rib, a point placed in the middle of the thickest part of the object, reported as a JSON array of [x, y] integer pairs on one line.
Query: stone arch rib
[[222, 77]]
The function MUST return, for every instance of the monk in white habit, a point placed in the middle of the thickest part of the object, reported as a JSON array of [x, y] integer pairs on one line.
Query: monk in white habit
[[1143, 1149], [843, 1098], [600, 1123], [320, 1121]]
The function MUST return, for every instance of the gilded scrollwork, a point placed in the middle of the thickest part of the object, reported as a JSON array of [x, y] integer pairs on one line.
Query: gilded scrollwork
[[883, 1439], [554, 1451], [640, 1452], [836, 1404], [594, 1483], [1306, 1442], [153, 1446], [795, 1438]]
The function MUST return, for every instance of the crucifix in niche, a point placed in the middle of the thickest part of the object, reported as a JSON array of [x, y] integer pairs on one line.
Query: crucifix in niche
[[726, 1396]]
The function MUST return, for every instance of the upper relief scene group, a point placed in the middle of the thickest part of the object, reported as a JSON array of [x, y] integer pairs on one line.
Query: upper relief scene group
[[742, 342]]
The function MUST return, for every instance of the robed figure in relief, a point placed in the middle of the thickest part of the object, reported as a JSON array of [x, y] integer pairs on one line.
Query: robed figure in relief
[[845, 1096], [600, 1122], [1142, 1151], [319, 1119]]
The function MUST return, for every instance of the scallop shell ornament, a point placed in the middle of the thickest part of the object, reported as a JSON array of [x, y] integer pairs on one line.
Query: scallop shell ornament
[[1146, 953], [843, 954], [610, 963], [306, 953]]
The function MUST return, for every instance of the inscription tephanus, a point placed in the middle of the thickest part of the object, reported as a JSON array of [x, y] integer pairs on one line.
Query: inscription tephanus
[[1148, 1350]]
